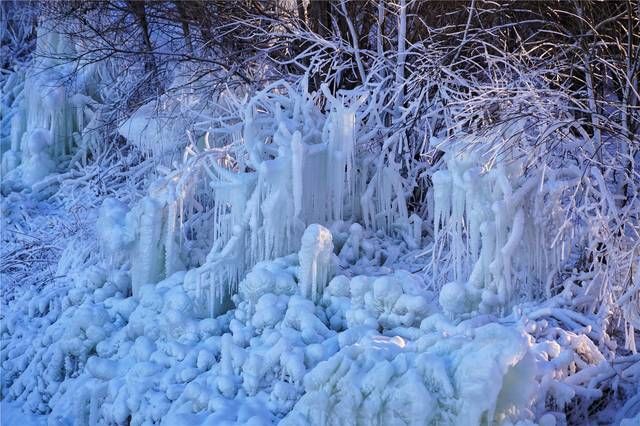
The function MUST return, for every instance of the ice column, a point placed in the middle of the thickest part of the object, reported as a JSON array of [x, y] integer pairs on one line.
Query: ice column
[[147, 262], [315, 261]]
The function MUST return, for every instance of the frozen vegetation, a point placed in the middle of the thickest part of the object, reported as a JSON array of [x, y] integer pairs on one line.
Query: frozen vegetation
[[423, 247]]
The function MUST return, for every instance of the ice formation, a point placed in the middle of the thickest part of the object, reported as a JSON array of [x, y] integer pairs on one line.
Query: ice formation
[[484, 217], [49, 123], [265, 278], [316, 261], [295, 167]]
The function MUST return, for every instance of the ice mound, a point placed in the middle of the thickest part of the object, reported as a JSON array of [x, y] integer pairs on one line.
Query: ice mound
[[106, 355], [397, 300], [371, 350], [457, 379]]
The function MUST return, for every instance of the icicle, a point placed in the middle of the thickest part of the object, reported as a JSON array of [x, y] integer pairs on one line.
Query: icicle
[[297, 169], [457, 245], [442, 188], [416, 229], [340, 138], [507, 251], [171, 255], [474, 210]]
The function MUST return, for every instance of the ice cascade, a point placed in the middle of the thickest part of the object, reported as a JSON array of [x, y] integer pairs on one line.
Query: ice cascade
[[49, 122], [484, 217], [249, 191]]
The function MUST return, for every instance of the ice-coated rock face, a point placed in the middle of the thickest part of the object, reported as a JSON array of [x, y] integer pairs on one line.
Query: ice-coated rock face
[[316, 261]]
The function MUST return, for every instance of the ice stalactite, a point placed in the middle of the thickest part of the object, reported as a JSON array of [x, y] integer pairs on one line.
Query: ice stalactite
[[316, 261], [341, 136], [171, 257], [442, 200], [457, 220], [415, 223]]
